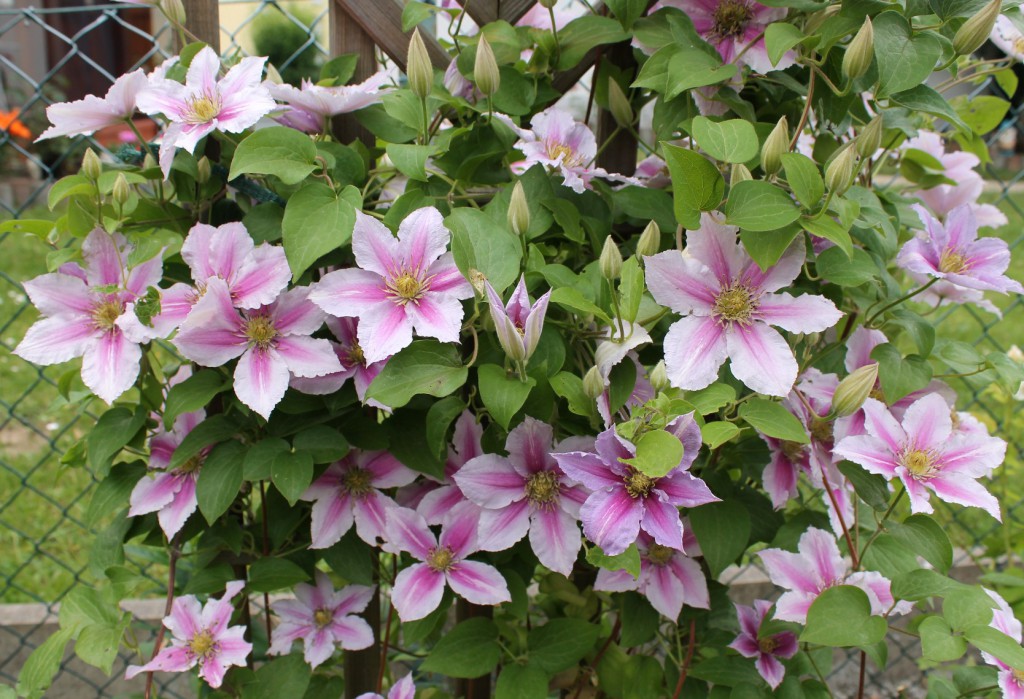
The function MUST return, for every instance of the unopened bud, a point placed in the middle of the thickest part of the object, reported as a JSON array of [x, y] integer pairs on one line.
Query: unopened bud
[[203, 170], [149, 162], [610, 261], [860, 52], [659, 377], [593, 383], [478, 281], [547, 4], [122, 190], [419, 69], [854, 390], [976, 31], [91, 165], [869, 140], [650, 241], [775, 146], [739, 173], [485, 69], [619, 105], [174, 10], [840, 171], [518, 211], [273, 75]]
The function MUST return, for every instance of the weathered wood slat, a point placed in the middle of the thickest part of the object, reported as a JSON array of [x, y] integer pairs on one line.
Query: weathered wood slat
[[202, 18], [346, 36], [486, 11], [381, 20]]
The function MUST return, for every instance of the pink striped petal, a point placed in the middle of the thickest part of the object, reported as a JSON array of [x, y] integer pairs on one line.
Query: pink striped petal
[[555, 538], [436, 315], [384, 330], [318, 647], [261, 380], [491, 481], [111, 365], [870, 453], [407, 531], [881, 425], [459, 531], [818, 547], [169, 659], [307, 357], [55, 340], [184, 620], [611, 519], [664, 591], [695, 585], [212, 333], [371, 513], [262, 277], [695, 349], [216, 252], [761, 358], [417, 592], [375, 248], [955, 488], [661, 520], [349, 292], [352, 632], [615, 581], [478, 583], [351, 599], [788, 570], [769, 667], [295, 314], [446, 278], [152, 492], [680, 283], [437, 503], [103, 264], [501, 529], [588, 469], [928, 422], [798, 314], [385, 470], [331, 519], [779, 479], [793, 606], [716, 246], [60, 295], [173, 517], [423, 238], [529, 446], [859, 346]]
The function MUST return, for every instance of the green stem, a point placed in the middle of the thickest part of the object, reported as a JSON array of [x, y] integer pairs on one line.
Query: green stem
[[888, 513], [901, 299]]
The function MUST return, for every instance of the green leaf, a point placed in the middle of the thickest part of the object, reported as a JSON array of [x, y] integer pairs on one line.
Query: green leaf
[[803, 175], [324, 444], [828, 228], [521, 682], [715, 434], [631, 288], [922, 98], [905, 59], [561, 643], [69, 186], [220, 479], [835, 266], [569, 386], [925, 537], [469, 650], [711, 399], [113, 492], [283, 677], [766, 247], [86, 606], [424, 367], [287, 154], [628, 560], [259, 460], [352, 558], [481, 243], [841, 616], [984, 637], [571, 298], [657, 453], [439, 418], [871, 487], [416, 12], [919, 584], [773, 420], [688, 68], [98, 645], [898, 375], [316, 221], [292, 472], [938, 642], [112, 432], [723, 530], [270, 574], [731, 141], [42, 666], [193, 393], [780, 37], [980, 113], [697, 185], [582, 34], [209, 431], [640, 621], [503, 395], [411, 160], [340, 68], [756, 205], [966, 606]]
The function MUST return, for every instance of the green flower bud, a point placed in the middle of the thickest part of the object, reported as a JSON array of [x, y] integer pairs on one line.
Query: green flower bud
[[774, 147], [518, 211], [840, 171], [149, 162], [619, 105], [419, 69], [478, 281], [174, 10], [203, 170], [659, 377], [854, 390], [485, 69], [547, 4], [610, 261], [650, 241], [975, 31], [91, 165], [869, 140], [860, 52], [739, 173], [122, 190], [593, 383]]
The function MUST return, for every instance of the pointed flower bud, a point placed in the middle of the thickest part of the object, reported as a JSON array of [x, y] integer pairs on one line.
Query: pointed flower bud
[[174, 10], [547, 4], [485, 69], [478, 281], [869, 140], [659, 377], [203, 170], [517, 323], [739, 173], [593, 383], [775, 146], [122, 190], [91, 165], [840, 171], [419, 69], [610, 261], [860, 52], [149, 162], [975, 31], [518, 211], [854, 390], [650, 241], [619, 105]]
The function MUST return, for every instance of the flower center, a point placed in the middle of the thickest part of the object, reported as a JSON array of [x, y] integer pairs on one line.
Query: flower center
[[542, 488], [407, 287], [322, 617], [106, 313], [202, 644], [731, 18], [767, 645], [793, 451], [877, 394], [821, 430], [441, 560], [357, 481], [354, 356], [201, 109], [260, 330], [920, 462], [660, 555], [638, 485], [735, 304], [558, 150], [192, 464], [1018, 676], [952, 261]]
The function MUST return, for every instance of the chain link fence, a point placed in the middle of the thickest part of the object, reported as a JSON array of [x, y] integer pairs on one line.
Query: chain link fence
[[43, 504]]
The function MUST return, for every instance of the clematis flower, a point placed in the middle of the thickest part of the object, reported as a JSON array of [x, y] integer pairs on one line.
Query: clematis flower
[[89, 313], [204, 104], [435, 499], [170, 493], [350, 490], [817, 567], [271, 342], [201, 636], [323, 618], [625, 501], [1011, 680], [953, 252], [925, 453], [1006, 36], [526, 492], [519, 323], [766, 650], [401, 285], [642, 392], [311, 105], [418, 589], [403, 689], [944, 293], [653, 172], [668, 578], [90, 114], [254, 275], [728, 304]]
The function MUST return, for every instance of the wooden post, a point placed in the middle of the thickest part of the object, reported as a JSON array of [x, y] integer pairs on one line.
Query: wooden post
[[620, 155], [480, 687], [363, 666], [348, 37], [202, 18]]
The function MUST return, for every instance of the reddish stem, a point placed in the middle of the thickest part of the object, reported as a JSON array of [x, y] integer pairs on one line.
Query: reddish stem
[[171, 567], [689, 658]]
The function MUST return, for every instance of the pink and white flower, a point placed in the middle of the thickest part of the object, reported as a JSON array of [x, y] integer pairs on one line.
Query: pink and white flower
[[89, 313], [1011, 680], [350, 491], [526, 492], [200, 635], [170, 493], [625, 500], [518, 323], [323, 618], [767, 649], [817, 567], [1006, 36], [205, 104], [418, 589], [435, 499], [91, 113], [400, 286], [403, 689], [728, 305], [925, 453], [311, 105]]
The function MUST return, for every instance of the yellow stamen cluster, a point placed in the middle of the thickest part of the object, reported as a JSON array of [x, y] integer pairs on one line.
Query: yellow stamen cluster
[[731, 18], [794, 451], [735, 304], [201, 109], [767, 645], [357, 481], [260, 330], [105, 314], [406, 287], [192, 464], [920, 462], [202, 644], [355, 356], [542, 488], [821, 430], [952, 261], [638, 485], [441, 560], [569, 158], [322, 617], [660, 555]]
